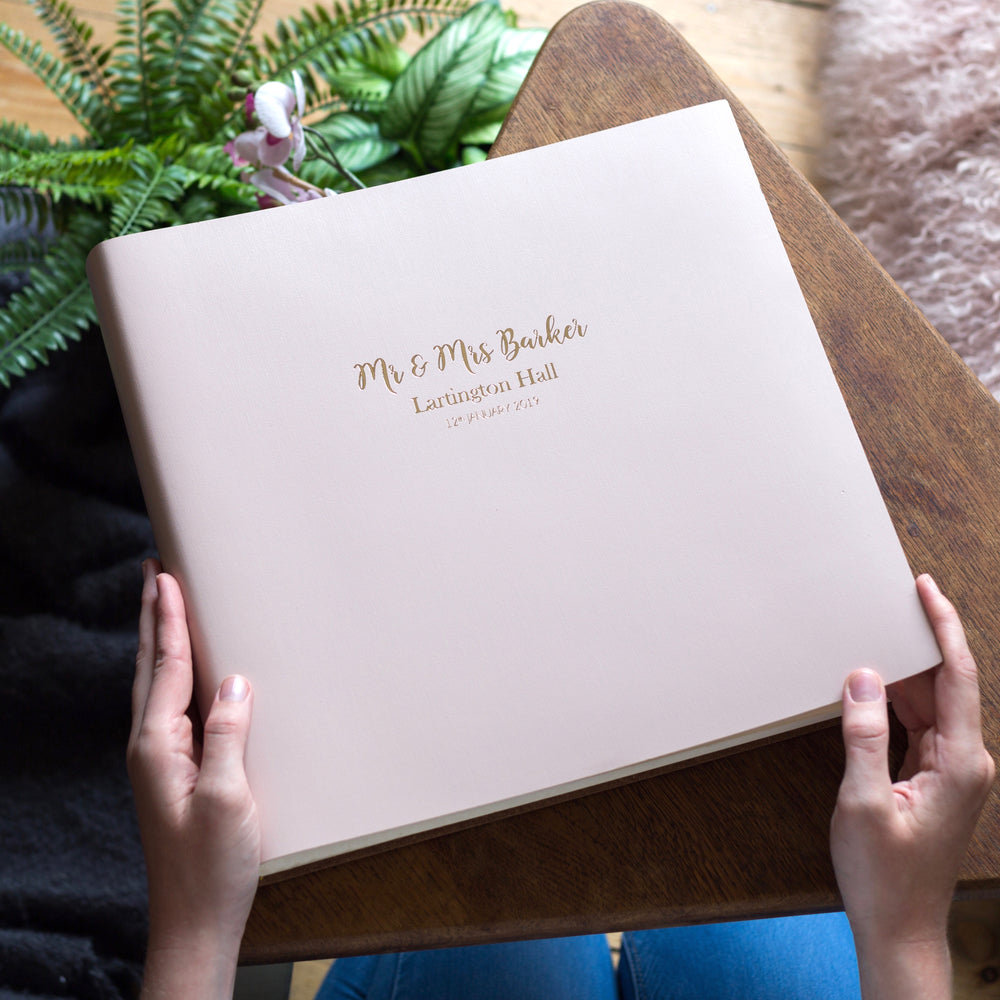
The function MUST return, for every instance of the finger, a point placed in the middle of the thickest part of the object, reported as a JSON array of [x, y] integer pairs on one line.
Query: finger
[[225, 738], [146, 653], [913, 704], [866, 740], [913, 700], [172, 676], [956, 689]]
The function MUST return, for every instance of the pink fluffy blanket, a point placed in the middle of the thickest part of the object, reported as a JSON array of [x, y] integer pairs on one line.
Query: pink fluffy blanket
[[911, 100]]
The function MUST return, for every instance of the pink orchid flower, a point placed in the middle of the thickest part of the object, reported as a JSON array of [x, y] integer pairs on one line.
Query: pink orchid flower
[[279, 110], [278, 191]]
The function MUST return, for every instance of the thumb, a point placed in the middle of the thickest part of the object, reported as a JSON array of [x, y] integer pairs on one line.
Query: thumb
[[226, 730], [866, 736]]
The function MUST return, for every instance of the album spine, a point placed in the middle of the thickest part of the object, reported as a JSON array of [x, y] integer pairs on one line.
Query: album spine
[[109, 292]]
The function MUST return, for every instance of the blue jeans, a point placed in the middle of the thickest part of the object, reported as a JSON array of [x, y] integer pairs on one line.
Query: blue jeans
[[790, 958]]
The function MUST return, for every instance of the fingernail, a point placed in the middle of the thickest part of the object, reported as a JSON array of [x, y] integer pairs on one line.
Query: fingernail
[[864, 685], [933, 583], [234, 688]]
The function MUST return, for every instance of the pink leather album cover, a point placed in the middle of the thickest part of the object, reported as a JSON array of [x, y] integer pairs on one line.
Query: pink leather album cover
[[503, 482]]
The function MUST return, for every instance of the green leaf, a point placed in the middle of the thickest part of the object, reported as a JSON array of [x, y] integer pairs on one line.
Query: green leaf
[[245, 16], [147, 200], [197, 207], [482, 134], [515, 52], [73, 37], [76, 93], [21, 255], [472, 154], [388, 61], [200, 35], [90, 176], [357, 142], [321, 39], [208, 168], [55, 308], [21, 204], [396, 169], [319, 42], [138, 53], [431, 98], [366, 80], [17, 138]]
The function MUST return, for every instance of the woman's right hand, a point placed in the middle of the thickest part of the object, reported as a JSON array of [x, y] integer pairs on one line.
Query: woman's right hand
[[897, 847]]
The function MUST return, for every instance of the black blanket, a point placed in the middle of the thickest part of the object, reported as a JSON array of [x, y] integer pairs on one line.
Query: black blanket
[[73, 531]]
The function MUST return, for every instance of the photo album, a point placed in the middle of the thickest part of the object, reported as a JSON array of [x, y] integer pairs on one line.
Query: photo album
[[503, 483]]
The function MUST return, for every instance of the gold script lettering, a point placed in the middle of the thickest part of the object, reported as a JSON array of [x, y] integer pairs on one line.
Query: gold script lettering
[[376, 370]]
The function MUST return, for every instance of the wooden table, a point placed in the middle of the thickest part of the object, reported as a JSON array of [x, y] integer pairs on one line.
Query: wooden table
[[743, 835]]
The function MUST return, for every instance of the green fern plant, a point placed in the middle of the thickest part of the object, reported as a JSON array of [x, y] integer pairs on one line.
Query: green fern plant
[[157, 106]]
